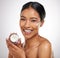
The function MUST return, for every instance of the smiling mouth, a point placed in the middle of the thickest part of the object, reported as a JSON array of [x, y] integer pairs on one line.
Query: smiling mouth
[[27, 31]]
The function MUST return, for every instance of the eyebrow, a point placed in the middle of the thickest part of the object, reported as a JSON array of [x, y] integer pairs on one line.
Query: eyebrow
[[23, 16], [30, 18], [33, 18]]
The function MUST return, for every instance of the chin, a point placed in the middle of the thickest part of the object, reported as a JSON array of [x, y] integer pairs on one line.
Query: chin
[[27, 36]]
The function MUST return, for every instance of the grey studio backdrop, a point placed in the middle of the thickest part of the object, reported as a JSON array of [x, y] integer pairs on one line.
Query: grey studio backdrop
[[9, 22]]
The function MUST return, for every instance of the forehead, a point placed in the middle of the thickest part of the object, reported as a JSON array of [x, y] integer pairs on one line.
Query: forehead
[[30, 12]]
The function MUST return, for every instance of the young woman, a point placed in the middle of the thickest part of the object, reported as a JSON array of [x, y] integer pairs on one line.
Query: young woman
[[31, 18]]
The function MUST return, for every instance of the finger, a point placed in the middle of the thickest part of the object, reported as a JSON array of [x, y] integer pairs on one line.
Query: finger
[[10, 44], [7, 43], [12, 50], [19, 43]]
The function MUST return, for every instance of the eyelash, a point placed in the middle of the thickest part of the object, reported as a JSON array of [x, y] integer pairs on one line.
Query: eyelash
[[23, 19], [31, 20]]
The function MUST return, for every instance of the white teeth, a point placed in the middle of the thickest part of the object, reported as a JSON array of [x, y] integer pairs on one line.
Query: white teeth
[[28, 30]]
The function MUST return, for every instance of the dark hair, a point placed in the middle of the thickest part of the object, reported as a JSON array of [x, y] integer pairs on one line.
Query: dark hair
[[36, 6]]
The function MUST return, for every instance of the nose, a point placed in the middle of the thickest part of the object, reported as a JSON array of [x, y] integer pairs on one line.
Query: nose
[[27, 24]]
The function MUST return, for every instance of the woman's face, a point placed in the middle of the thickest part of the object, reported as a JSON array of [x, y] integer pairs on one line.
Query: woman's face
[[29, 21]]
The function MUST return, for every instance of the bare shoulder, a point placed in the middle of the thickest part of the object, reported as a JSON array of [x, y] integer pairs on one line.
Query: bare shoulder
[[44, 42], [44, 48]]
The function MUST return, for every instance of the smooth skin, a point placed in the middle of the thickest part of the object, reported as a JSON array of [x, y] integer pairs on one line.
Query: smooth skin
[[36, 46]]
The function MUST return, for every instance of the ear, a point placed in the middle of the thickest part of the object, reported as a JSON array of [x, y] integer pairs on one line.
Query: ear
[[41, 23]]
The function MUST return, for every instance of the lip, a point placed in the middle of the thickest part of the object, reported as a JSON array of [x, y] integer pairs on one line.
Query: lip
[[27, 31]]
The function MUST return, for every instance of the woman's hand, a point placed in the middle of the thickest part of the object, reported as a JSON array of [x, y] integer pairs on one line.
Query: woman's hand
[[15, 50]]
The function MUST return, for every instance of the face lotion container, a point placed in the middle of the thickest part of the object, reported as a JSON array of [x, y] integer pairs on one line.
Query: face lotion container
[[14, 38]]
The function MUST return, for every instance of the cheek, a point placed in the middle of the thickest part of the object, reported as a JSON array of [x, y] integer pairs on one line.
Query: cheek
[[35, 27], [21, 24]]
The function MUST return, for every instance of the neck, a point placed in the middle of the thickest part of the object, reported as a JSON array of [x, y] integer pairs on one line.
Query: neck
[[32, 41]]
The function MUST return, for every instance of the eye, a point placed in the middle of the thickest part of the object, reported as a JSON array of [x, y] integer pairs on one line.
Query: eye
[[22, 19], [33, 20]]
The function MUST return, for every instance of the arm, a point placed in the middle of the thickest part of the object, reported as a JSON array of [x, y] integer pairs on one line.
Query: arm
[[45, 50]]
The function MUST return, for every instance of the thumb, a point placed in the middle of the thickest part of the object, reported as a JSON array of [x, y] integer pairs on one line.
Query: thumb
[[19, 43]]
